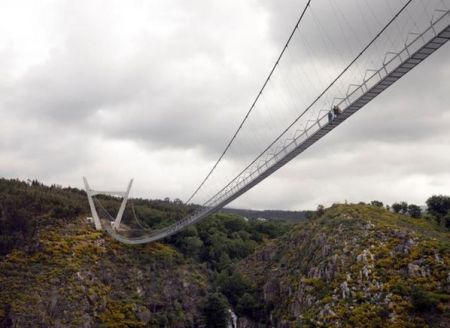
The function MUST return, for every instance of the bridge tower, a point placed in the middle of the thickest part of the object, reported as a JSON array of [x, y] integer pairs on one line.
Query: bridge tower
[[91, 193]]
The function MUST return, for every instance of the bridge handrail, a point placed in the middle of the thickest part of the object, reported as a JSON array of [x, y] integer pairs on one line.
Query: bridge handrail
[[386, 74]]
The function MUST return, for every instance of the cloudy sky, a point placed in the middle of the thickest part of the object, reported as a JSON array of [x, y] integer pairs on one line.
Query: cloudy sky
[[154, 90]]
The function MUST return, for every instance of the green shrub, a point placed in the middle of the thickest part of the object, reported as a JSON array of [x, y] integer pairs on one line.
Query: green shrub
[[414, 211], [216, 311], [422, 300], [247, 305]]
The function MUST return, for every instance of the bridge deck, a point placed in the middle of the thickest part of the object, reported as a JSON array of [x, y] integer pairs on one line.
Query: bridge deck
[[392, 70]]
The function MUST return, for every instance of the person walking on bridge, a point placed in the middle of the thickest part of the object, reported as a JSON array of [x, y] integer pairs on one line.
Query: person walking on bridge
[[330, 116], [336, 111]]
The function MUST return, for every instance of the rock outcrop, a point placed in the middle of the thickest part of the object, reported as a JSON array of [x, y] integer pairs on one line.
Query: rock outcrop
[[356, 266], [82, 278]]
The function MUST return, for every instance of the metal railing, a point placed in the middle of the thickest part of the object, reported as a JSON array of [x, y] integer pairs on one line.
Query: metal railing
[[394, 66]]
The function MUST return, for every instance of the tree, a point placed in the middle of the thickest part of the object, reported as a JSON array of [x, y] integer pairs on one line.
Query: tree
[[232, 286], [422, 300], [16, 224], [404, 208], [247, 305], [234, 223], [397, 207], [216, 311], [191, 246], [445, 221], [320, 210], [438, 206], [376, 203], [414, 211]]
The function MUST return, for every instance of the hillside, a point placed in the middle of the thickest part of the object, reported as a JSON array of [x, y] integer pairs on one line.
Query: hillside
[[294, 216], [57, 271], [346, 266], [79, 277], [354, 266]]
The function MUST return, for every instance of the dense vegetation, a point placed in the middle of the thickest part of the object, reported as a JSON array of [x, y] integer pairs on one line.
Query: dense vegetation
[[220, 242], [50, 256], [354, 266], [41, 225], [26, 205], [294, 216]]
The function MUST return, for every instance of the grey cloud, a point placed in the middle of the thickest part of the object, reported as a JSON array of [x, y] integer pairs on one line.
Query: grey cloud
[[184, 84], [35, 147], [413, 109], [156, 97]]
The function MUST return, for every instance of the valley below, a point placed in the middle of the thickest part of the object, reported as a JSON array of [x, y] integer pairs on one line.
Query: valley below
[[350, 265]]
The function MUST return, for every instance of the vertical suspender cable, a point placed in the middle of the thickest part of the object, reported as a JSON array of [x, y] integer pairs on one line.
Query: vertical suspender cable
[[319, 96], [253, 104]]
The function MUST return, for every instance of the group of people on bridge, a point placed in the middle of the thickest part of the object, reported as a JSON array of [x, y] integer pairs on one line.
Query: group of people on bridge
[[333, 113]]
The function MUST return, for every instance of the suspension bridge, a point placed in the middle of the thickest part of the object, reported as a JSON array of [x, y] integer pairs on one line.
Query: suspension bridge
[[306, 96]]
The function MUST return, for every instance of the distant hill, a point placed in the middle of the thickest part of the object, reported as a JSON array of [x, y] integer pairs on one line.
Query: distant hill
[[294, 216]]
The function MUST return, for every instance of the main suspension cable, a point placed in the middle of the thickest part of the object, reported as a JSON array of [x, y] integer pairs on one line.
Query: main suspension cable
[[253, 104], [321, 94]]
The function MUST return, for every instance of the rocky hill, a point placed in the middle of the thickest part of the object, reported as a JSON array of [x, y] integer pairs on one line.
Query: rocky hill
[[346, 266], [78, 277], [354, 266], [57, 271]]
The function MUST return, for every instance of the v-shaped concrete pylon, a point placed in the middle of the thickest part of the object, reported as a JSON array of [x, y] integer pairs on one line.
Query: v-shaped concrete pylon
[[91, 192]]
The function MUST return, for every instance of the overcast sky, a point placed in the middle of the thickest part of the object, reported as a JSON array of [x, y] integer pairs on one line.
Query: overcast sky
[[154, 89]]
